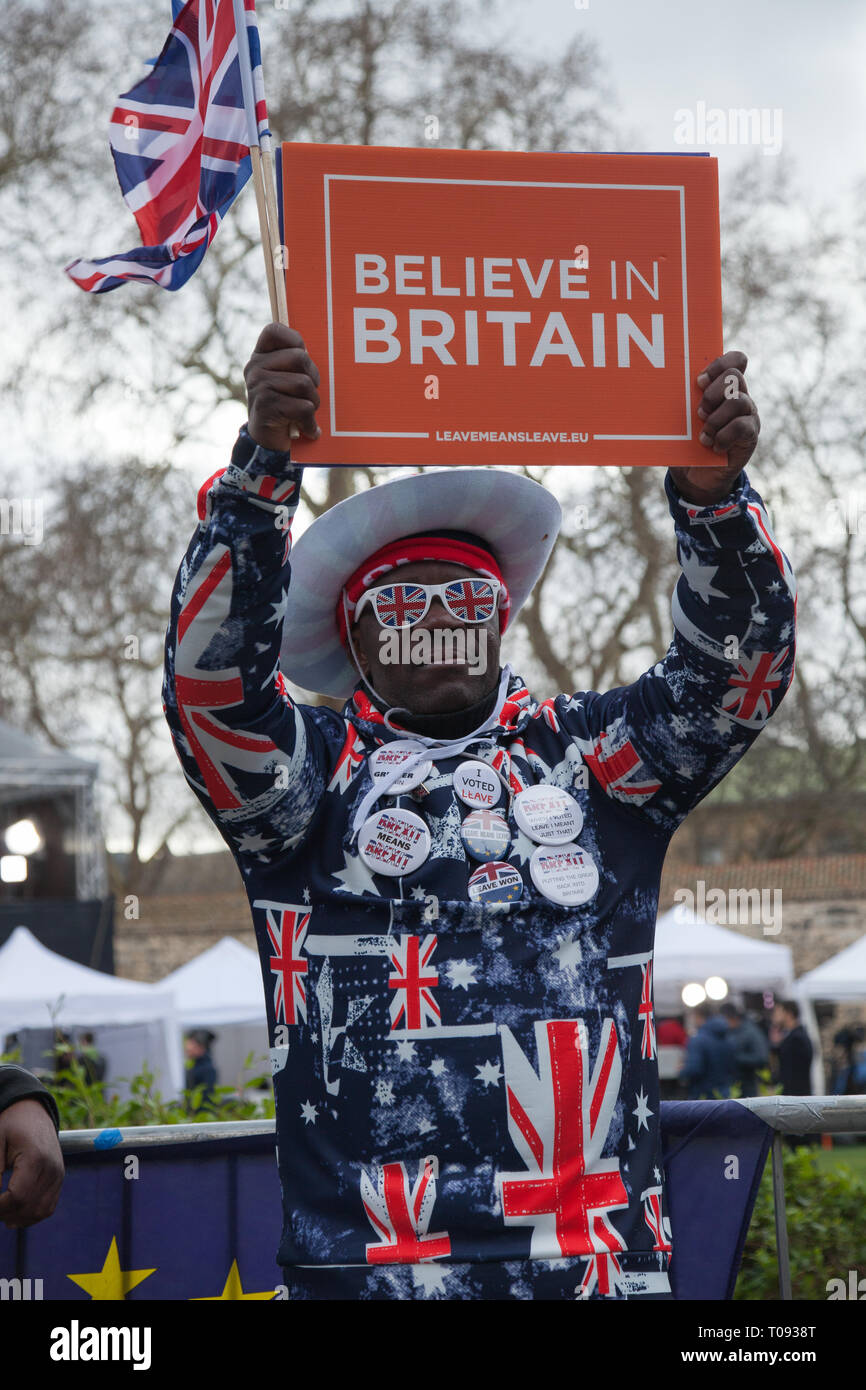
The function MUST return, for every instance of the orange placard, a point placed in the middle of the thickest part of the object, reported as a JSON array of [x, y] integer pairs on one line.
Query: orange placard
[[469, 306]]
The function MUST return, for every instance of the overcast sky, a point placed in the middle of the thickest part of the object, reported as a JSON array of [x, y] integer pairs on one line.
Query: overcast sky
[[806, 58]]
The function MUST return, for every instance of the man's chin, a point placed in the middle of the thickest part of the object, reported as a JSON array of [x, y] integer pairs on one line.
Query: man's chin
[[443, 687]]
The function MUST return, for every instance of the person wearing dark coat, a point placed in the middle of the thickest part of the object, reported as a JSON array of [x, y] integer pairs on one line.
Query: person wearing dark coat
[[750, 1048], [201, 1071], [29, 1147], [793, 1051], [709, 1064]]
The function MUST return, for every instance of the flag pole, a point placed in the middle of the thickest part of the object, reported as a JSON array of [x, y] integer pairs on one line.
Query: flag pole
[[263, 178]]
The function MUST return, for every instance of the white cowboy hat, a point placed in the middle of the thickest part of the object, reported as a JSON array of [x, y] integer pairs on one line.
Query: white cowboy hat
[[518, 518]]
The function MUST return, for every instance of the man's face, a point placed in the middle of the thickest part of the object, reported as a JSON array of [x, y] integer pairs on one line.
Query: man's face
[[193, 1049], [426, 684]]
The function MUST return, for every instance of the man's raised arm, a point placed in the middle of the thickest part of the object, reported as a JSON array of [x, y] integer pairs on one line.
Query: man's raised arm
[[256, 760], [658, 746]]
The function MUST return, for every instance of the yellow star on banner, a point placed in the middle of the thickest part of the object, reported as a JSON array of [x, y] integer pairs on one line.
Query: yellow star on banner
[[110, 1282], [232, 1289]]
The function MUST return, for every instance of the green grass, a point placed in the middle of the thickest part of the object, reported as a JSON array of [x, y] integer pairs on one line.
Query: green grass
[[851, 1156]]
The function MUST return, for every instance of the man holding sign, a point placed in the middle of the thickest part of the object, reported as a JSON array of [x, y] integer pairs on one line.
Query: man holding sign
[[454, 886]]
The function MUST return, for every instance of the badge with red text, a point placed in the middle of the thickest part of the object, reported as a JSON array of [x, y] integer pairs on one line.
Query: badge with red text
[[477, 784], [548, 815], [392, 755], [496, 882], [394, 842], [485, 835], [565, 874]]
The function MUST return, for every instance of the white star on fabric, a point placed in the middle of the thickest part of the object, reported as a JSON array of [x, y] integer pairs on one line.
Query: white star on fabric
[[461, 974], [430, 1277], [643, 1111], [279, 612], [774, 587], [308, 1113], [723, 724], [490, 1074], [250, 843], [307, 895], [568, 952], [437, 1066], [384, 1092], [631, 1145], [759, 617], [418, 892], [700, 577], [406, 1050], [424, 1126], [355, 877], [657, 1175]]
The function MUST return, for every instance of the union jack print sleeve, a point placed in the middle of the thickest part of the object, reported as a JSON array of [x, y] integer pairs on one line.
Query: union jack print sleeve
[[255, 758], [660, 745]]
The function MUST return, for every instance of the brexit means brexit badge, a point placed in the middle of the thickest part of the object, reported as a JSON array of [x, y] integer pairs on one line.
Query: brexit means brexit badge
[[394, 842], [564, 873], [496, 882]]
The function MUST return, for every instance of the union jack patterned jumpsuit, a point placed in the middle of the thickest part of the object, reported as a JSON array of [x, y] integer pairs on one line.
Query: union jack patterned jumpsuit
[[467, 1099]]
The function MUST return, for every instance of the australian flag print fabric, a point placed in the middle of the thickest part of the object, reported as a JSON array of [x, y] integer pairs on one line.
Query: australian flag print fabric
[[467, 1093]]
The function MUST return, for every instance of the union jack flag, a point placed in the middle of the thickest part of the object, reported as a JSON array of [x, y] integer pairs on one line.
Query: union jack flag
[[658, 1224], [400, 1212], [214, 745], [413, 1003], [287, 927], [180, 141], [615, 764], [559, 1121], [750, 701], [398, 604], [645, 1012], [351, 757], [471, 600]]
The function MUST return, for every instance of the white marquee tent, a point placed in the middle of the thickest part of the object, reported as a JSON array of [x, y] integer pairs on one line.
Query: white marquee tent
[[133, 1022], [841, 979], [689, 949], [222, 985], [221, 989]]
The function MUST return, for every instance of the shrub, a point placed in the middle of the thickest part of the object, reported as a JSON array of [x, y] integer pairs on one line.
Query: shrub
[[826, 1219]]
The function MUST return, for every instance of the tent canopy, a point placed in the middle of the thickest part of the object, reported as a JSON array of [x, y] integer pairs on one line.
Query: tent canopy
[[35, 981], [688, 948], [222, 985], [842, 978]]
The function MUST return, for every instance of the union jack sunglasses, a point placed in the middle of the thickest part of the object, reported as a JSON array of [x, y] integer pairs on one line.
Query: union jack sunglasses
[[403, 605]]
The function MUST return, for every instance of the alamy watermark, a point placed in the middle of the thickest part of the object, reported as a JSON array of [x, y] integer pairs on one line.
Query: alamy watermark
[[737, 126], [22, 516], [438, 646], [735, 907]]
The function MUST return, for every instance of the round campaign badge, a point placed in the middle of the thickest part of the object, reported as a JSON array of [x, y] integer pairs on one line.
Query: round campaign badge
[[393, 842], [392, 755], [485, 835], [564, 873], [496, 882], [548, 814], [477, 784]]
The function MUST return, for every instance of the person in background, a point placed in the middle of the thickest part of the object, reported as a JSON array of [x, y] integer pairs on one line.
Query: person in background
[[792, 1050], [709, 1065], [29, 1148], [91, 1060], [671, 1033], [201, 1070], [750, 1048]]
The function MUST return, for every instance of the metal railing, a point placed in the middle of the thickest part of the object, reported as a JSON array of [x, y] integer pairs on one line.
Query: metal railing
[[784, 1114]]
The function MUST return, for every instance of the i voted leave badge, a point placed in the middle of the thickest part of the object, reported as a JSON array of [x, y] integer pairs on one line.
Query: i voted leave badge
[[548, 815], [392, 755], [496, 882], [394, 842], [477, 784], [485, 835], [565, 874]]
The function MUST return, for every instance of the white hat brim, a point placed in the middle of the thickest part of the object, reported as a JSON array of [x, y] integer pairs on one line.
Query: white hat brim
[[517, 517]]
